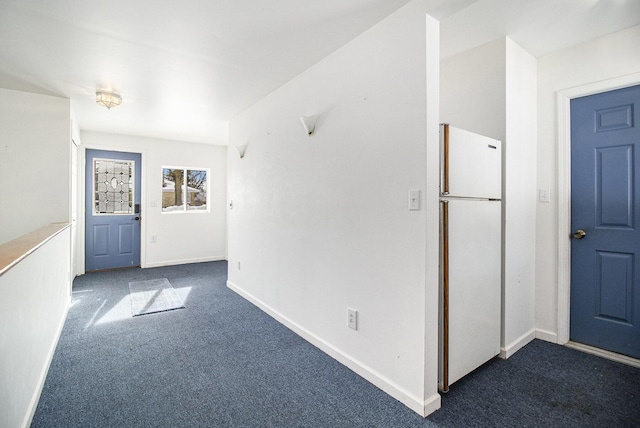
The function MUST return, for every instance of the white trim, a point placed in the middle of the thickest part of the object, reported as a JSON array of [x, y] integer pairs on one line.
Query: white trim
[[185, 261], [418, 405], [193, 190], [547, 336], [431, 404], [633, 362], [80, 210], [515, 346], [564, 98]]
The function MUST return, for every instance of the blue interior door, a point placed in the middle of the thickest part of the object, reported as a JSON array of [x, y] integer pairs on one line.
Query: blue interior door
[[605, 217], [112, 210]]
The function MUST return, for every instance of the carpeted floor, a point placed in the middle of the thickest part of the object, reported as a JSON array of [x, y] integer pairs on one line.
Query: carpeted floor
[[153, 295], [544, 385], [221, 362]]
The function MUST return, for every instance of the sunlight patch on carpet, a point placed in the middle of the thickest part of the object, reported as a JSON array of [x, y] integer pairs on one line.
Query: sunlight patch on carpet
[[153, 295]]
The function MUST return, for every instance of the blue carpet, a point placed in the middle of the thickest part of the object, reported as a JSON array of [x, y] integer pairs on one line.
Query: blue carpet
[[224, 363]]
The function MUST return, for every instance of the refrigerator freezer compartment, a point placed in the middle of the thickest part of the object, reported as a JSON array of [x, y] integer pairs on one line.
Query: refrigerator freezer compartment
[[471, 164]]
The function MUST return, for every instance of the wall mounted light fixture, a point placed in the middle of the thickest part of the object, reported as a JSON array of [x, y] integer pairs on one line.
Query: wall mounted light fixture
[[241, 150], [108, 99], [309, 124]]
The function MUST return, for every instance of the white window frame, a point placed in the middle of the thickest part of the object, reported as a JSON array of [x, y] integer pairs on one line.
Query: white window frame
[[185, 205]]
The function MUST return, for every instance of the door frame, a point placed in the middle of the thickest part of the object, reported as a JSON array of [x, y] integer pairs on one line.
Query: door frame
[[563, 100], [82, 198]]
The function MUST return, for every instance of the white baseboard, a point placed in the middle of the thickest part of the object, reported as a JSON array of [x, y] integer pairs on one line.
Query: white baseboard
[[431, 404], [419, 406], [33, 405], [515, 346], [547, 336], [183, 261]]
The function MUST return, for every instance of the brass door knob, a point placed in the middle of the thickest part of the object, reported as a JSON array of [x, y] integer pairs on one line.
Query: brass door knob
[[579, 234]]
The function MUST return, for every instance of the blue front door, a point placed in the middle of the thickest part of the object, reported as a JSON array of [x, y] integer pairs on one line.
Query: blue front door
[[605, 219], [112, 210]]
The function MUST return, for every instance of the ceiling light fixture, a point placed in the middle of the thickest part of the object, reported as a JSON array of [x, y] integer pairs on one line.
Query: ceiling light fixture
[[108, 99]]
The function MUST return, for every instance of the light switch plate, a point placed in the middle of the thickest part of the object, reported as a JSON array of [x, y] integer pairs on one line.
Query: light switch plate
[[414, 200], [543, 195]]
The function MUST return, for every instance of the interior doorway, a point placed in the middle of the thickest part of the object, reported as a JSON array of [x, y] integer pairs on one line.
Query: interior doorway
[[605, 216]]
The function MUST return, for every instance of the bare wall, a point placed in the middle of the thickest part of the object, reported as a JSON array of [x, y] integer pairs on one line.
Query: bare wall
[[35, 161], [321, 223]]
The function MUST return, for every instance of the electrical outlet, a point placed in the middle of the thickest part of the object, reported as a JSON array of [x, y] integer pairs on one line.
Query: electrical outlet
[[352, 318]]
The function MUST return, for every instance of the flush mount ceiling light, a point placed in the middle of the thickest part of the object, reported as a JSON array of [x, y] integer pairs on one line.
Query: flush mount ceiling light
[[108, 99]]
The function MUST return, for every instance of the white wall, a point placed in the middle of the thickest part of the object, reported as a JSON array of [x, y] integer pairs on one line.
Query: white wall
[[491, 90], [322, 223], [35, 161], [519, 199], [599, 65], [34, 298], [15, 83], [473, 90], [181, 238]]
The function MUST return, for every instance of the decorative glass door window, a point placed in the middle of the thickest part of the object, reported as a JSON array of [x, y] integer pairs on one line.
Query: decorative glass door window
[[113, 184], [184, 190]]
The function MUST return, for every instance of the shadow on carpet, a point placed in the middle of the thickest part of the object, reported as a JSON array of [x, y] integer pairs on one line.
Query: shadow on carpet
[[544, 385]]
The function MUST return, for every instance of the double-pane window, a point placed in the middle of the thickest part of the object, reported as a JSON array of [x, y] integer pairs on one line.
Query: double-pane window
[[184, 189]]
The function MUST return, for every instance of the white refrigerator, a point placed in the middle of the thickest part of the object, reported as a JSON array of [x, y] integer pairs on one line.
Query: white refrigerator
[[470, 252]]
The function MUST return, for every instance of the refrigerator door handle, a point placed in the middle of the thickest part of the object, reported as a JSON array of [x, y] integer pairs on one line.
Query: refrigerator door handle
[[444, 266], [445, 159]]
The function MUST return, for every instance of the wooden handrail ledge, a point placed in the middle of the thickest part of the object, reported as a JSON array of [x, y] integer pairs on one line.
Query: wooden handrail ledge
[[13, 252]]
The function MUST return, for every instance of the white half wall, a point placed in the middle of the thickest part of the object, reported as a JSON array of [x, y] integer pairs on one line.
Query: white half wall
[[320, 224], [596, 66], [179, 238], [34, 298], [35, 136], [491, 90]]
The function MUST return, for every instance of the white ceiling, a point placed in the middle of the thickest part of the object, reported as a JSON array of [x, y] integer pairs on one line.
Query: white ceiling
[[185, 68], [539, 26]]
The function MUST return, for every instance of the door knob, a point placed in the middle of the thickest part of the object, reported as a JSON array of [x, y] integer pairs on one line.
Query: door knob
[[136, 218], [579, 234]]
